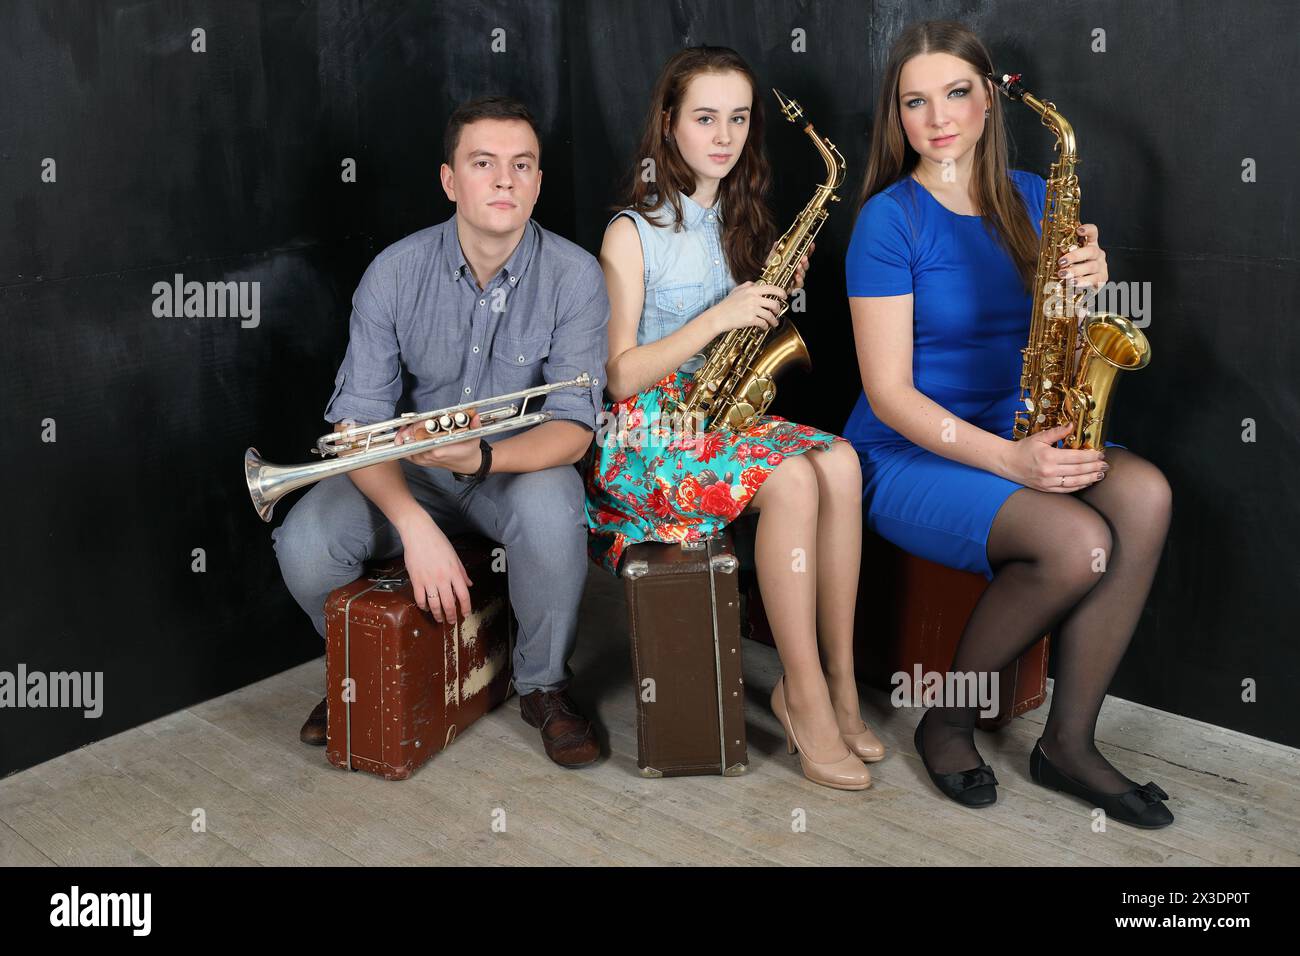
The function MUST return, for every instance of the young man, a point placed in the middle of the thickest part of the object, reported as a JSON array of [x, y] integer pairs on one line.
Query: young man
[[483, 304]]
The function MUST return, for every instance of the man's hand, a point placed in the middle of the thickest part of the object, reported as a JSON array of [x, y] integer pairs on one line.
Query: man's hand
[[437, 575], [342, 427], [462, 456]]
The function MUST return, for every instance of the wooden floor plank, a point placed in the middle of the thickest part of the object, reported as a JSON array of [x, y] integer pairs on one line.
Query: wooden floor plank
[[239, 819], [271, 800], [353, 821], [901, 815], [60, 826], [531, 790], [16, 851], [110, 800]]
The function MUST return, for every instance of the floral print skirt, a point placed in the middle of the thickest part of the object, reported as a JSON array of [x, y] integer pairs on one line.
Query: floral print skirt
[[649, 482]]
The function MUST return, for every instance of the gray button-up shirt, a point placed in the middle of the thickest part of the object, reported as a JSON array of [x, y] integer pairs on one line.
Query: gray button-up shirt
[[422, 330]]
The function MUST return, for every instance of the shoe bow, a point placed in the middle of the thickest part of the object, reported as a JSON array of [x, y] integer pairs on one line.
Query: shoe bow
[[1139, 798], [979, 777]]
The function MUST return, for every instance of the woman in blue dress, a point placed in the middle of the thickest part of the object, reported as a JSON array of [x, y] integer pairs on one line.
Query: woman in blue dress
[[694, 217], [942, 256]]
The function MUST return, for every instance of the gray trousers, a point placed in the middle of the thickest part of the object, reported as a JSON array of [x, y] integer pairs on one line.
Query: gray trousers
[[537, 516]]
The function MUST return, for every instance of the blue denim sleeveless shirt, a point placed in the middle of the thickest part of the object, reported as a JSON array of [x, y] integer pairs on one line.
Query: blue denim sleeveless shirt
[[685, 271]]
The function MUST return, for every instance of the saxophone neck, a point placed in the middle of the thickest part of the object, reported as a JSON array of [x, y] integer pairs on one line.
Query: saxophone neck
[[834, 163], [784, 259], [1009, 86], [793, 112]]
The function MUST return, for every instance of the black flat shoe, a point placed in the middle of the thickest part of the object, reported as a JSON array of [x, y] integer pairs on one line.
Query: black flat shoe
[[1138, 807], [970, 788]]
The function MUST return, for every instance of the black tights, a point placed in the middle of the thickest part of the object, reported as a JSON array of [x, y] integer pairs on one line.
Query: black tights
[[1044, 548]]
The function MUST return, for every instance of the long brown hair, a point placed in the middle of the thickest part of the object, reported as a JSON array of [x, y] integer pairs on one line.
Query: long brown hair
[[747, 226], [891, 156]]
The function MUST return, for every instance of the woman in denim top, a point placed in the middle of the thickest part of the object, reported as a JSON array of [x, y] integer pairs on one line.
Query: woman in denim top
[[685, 272], [670, 263]]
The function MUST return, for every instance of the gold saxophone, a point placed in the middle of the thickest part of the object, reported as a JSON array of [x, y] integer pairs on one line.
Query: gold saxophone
[[1056, 386], [736, 382]]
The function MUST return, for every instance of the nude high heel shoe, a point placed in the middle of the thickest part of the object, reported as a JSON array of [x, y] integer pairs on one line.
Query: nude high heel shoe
[[866, 745], [847, 773]]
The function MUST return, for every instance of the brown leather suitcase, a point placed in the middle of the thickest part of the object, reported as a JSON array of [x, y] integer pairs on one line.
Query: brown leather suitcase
[[912, 612], [417, 683], [929, 605], [684, 620]]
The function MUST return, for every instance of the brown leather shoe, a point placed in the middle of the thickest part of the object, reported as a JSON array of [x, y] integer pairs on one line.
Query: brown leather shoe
[[313, 732], [567, 736]]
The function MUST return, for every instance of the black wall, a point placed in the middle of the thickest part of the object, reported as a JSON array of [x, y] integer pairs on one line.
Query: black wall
[[225, 165]]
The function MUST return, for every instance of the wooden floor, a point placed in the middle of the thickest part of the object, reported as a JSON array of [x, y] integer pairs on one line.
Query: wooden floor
[[268, 799]]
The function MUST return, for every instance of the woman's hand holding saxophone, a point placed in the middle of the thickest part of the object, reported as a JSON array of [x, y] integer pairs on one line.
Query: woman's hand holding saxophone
[[1083, 269], [1036, 463], [1084, 264], [750, 304]]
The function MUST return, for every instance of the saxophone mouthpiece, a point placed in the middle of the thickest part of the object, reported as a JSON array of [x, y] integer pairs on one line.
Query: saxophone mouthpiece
[[1009, 85], [791, 108]]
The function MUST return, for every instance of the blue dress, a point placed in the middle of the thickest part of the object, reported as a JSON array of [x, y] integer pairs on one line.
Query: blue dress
[[970, 320]]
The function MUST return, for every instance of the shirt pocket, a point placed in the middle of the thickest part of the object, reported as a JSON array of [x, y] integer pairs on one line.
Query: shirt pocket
[[674, 306], [517, 361]]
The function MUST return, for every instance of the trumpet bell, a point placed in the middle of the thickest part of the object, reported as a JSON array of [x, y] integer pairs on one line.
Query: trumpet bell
[[253, 468]]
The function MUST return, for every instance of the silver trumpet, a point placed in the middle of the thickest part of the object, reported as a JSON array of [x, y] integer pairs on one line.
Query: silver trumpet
[[363, 445]]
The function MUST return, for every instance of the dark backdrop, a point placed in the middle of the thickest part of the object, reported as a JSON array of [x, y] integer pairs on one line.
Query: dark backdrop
[[225, 165]]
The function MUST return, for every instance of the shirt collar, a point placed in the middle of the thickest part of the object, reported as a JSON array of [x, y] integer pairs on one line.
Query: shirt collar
[[512, 271], [693, 213]]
